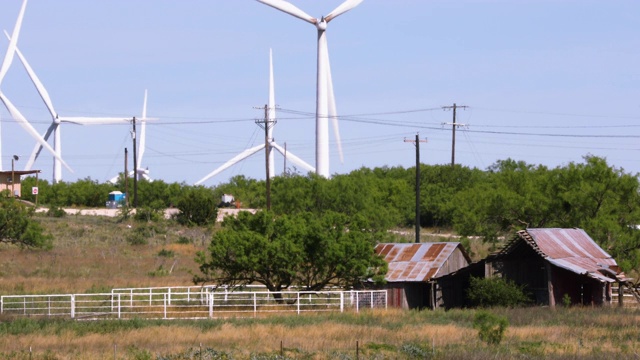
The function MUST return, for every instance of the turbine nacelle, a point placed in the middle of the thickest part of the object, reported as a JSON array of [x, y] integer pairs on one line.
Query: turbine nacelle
[[322, 24]]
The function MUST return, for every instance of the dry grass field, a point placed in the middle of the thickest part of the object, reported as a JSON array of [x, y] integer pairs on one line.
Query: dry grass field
[[95, 254]]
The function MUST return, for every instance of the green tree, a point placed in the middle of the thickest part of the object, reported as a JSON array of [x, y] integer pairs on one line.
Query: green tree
[[17, 226], [279, 251], [197, 206]]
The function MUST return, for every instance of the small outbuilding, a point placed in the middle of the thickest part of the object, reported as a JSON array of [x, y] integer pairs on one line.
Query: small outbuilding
[[11, 180], [413, 268], [553, 265]]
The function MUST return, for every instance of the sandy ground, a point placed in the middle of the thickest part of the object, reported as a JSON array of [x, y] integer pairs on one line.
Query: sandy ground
[[168, 213]]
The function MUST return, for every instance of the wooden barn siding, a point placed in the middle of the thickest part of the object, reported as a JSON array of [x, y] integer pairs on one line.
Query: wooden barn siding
[[523, 266], [581, 289], [455, 262], [451, 290], [408, 295]]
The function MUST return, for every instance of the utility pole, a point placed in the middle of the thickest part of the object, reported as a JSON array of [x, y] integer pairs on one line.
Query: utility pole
[[453, 127], [267, 124], [417, 142], [126, 175], [135, 166]]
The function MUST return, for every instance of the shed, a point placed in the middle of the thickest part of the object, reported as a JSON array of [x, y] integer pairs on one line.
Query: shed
[[11, 180], [413, 268], [555, 263]]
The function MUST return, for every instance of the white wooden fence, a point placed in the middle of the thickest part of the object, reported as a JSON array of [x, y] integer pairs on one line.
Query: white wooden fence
[[176, 303]]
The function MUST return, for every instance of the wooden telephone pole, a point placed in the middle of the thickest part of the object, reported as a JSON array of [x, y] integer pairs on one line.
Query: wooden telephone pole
[[417, 142], [454, 125]]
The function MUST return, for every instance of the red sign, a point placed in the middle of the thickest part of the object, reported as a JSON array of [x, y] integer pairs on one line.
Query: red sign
[[34, 190]]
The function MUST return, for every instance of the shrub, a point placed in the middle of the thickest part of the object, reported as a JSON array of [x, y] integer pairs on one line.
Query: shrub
[[56, 211], [495, 292], [147, 214], [166, 253], [183, 240], [490, 327]]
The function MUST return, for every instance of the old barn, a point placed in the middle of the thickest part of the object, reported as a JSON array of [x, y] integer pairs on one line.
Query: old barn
[[413, 268], [554, 265]]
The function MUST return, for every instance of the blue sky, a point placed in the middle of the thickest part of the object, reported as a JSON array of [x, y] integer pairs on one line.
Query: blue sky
[[546, 82]]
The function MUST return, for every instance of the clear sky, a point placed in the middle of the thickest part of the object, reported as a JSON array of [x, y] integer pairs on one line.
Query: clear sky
[[546, 82]]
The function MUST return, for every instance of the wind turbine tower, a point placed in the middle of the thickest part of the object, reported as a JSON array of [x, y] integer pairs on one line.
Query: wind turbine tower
[[325, 100], [270, 123]]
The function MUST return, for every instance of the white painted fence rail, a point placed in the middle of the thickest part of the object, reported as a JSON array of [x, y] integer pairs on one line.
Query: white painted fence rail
[[175, 304]]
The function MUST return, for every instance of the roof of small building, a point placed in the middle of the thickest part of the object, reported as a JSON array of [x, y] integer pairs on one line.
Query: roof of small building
[[19, 172], [570, 249], [411, 262]]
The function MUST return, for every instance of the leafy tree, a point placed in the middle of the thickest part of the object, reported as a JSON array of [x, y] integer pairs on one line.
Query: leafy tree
[[17, 226], [197, 206], [279, 251]]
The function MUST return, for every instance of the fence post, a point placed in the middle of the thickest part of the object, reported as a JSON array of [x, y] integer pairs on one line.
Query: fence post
[[341, 301], [73, 306], [119, 308], [298, 302], [357, 301], [1, 304], [169, 293], [255, 305], [165, 305], [48, 305], [211, 305], [371, 293]]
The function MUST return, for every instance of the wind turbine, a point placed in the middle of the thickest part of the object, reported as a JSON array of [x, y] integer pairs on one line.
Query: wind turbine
[[140, 171], [57, 120], [15, 113], [325, 99], [271, 119]]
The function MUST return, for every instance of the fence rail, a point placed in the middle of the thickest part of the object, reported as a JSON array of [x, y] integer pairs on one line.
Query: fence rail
[[175, 304]]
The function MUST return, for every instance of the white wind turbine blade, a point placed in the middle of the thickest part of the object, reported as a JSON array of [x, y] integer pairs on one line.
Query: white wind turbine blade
[[84, 120], [44, 94], [143, 130], [290, 9], [18, 117], [333, 112], [342, 8], [289, 155], [38, 147], [243, 155], [8, 56]]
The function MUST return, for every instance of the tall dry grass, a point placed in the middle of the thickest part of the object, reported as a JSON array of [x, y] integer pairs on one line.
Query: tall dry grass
[[93, 254], [383, 334]]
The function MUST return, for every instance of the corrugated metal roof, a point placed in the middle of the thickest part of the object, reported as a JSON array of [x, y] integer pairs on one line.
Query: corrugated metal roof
[[415, 262], [572, 249]]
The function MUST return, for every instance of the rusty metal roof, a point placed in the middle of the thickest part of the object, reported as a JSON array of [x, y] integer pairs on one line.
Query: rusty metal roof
[[416, 262], [574, 250]]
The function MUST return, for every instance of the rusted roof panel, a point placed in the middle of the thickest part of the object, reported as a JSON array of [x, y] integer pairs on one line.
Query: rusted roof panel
[[563, 243], [574, 250], [415, 262]]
